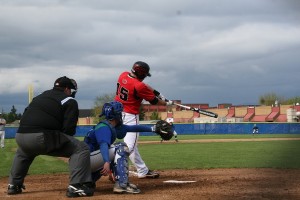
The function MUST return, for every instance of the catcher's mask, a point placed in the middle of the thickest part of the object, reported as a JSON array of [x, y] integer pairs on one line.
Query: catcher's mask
[[141, 70], [112, 111]]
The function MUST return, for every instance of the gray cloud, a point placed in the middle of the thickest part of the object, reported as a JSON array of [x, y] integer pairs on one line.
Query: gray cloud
[[199, 51]]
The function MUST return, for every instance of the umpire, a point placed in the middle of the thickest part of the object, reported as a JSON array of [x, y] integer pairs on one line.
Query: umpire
[[47, 127]]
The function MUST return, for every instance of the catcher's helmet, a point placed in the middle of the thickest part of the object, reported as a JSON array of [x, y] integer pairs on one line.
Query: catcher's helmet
[[112, 110], [64, 81], [140, 69]]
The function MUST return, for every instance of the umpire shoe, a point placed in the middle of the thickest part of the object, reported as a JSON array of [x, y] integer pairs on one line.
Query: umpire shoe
[[150, 174], [130, 188], [15, 189], [81, 190]]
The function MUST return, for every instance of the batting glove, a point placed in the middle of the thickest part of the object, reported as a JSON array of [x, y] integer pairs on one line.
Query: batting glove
[[162, 97], [169, 102]]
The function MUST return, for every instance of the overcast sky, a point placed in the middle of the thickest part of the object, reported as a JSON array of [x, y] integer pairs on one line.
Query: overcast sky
[[199, 51]]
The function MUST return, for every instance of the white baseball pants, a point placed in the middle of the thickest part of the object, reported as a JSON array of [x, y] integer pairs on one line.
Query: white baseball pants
[[131, 139]]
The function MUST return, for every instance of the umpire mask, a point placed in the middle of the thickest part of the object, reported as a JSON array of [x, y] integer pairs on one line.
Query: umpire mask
[[73, 88]]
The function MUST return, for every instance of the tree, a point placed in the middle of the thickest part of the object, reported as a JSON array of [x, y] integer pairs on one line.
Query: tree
[[142, 113], [292, 101], [98, 104], [270, 98], [12, 115], [154, 116]]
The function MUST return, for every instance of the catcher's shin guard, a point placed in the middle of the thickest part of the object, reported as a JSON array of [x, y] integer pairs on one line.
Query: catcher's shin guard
[[120, 167]]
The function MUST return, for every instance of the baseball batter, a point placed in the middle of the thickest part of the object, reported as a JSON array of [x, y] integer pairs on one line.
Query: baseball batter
[[2, 130], [131, 91]]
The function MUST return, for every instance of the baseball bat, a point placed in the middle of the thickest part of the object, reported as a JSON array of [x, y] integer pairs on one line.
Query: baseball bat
[[198, 110]]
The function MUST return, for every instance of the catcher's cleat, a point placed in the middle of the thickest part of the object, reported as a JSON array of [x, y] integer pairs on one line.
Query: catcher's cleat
[[130, 188], [81, 190], [150, 174], [15, 189]]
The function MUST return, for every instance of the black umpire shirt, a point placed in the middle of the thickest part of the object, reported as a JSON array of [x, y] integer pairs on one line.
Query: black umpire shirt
[[51, 110]]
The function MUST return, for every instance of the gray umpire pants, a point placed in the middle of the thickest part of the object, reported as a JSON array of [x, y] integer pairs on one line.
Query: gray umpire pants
[[53, 144]]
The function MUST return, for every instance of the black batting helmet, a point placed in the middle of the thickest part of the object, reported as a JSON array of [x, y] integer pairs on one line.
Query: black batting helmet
[[140, 69]]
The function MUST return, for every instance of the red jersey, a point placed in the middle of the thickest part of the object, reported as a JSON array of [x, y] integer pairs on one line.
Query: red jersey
[[131, 92]]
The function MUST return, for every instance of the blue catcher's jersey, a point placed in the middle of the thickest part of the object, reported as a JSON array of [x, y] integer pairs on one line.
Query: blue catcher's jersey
[[103, 132], [123, 129]]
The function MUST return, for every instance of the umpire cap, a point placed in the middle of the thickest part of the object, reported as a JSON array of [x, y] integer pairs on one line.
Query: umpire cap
[[64, 81]]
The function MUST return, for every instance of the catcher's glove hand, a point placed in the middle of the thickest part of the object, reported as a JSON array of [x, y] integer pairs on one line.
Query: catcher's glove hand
[[163, 129]]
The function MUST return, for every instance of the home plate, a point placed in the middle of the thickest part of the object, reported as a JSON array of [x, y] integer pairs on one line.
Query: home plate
[[175, 181]]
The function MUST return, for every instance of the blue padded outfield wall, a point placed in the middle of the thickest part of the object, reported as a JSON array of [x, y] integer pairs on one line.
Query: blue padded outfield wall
[[204, 128]]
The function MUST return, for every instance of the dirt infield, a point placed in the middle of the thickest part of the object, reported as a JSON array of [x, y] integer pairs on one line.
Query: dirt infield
[[210, 184]]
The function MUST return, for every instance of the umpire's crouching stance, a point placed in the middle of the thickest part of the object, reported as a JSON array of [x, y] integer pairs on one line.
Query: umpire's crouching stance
[[47, 128]]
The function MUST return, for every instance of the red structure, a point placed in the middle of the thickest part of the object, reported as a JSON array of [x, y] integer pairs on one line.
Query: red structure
[[250, 114], [231, 112], [254, 113], [273, 115], [259, 118]]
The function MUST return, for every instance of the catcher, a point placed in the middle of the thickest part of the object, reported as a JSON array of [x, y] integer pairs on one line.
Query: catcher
[[107, 156]]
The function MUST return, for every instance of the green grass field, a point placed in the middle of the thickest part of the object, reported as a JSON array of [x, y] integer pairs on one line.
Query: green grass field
[[171, 155]]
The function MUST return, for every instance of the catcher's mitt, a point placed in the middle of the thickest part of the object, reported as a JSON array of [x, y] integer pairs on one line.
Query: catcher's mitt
[[164, 130]]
